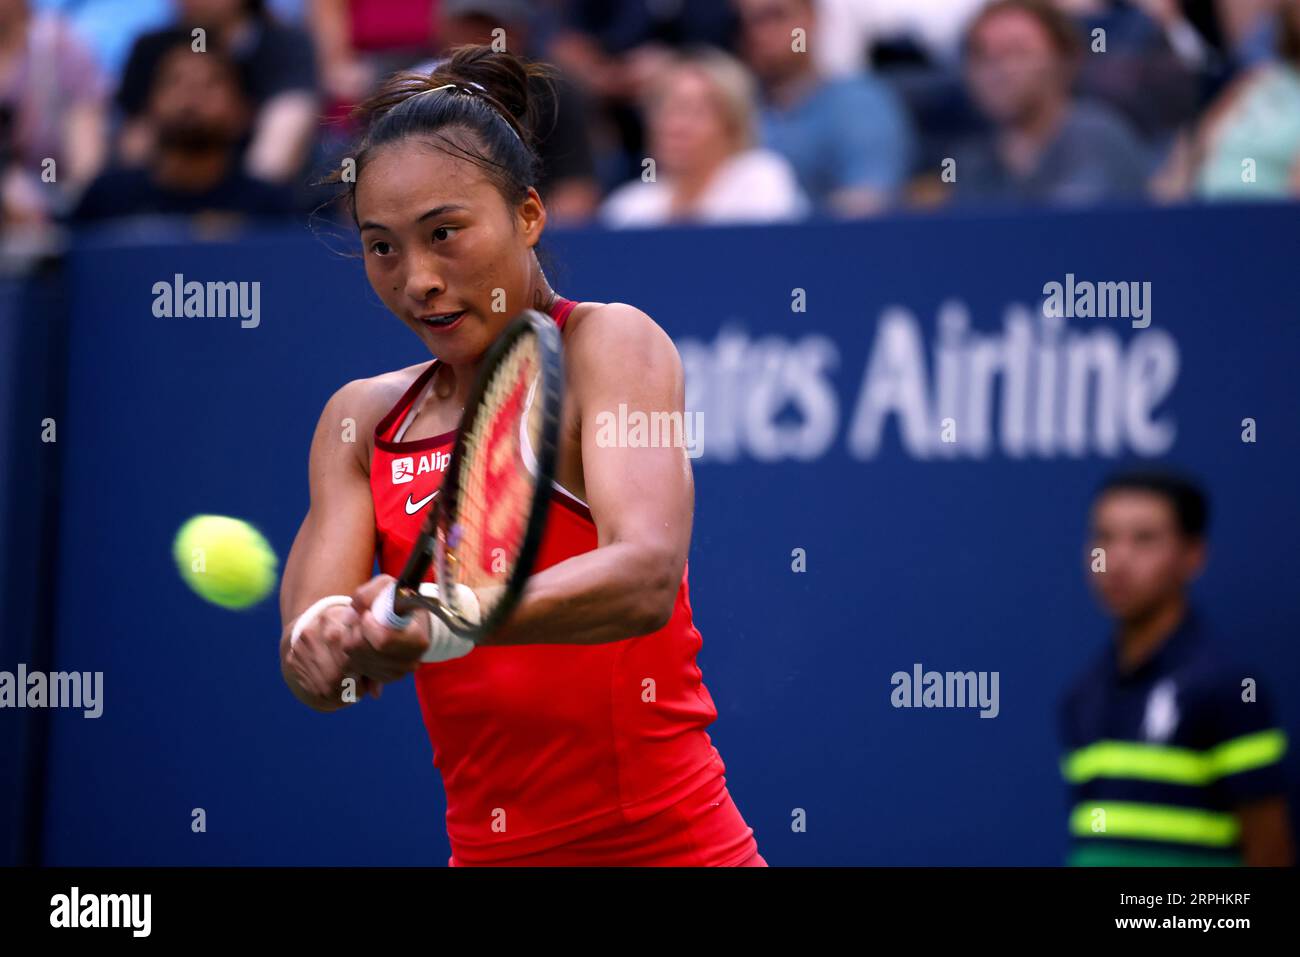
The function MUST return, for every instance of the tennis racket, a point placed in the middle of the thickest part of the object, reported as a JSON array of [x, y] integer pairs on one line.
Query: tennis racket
[[485, 526]]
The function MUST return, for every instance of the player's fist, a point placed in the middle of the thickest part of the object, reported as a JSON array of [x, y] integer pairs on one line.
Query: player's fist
[[376, 650], [315, 662]]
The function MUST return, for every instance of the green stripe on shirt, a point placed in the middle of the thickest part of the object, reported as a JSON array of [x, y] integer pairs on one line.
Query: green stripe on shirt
[[1170, 765], [1098, 854], [1154, 822]]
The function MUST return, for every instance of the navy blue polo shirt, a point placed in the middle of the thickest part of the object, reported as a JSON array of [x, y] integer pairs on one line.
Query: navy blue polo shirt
[[1158, 759]]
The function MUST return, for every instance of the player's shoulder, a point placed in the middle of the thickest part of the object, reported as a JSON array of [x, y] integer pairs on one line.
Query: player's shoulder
[[366, 400], [615, 331], [370, 390]]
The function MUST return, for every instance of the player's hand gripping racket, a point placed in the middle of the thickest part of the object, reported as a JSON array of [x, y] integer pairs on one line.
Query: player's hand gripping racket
[[485, 526]]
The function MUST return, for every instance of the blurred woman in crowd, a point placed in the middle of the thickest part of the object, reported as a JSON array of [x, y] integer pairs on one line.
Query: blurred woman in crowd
[[706, 167], [52, 114], [1248, 146]]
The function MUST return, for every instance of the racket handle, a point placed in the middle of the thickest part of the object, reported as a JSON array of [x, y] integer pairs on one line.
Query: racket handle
[[384, 611], [445, 644]]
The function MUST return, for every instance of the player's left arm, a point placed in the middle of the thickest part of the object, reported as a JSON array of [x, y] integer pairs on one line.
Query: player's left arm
[[641, 499]]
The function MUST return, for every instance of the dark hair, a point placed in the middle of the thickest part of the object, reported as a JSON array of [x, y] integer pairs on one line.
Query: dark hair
[[486, 116], [1059, 28], [1188, 499], [180, 41]]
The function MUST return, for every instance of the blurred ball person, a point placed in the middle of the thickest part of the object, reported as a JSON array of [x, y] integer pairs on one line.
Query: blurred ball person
[[1043, 145], [199, 114], [847, 138], [567, 183], [1172, 751], [278, 72], [707, 167], [52, 107]]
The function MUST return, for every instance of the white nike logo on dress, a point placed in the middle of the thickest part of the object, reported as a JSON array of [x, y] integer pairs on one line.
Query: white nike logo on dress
[[413, 507]]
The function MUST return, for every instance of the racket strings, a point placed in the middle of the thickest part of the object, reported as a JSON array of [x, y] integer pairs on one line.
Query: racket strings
[[495, 496]]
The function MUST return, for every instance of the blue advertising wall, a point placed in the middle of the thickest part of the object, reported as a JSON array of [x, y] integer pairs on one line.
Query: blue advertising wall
[[823, 360], [32, 337]]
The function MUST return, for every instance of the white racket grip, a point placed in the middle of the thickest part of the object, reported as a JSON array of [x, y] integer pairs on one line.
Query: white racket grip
[[306, 618], [445, 644], [382, 609]]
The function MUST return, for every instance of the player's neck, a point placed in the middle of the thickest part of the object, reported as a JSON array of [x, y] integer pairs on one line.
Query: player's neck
[[1141, 637], [543, 297], [451, 384]]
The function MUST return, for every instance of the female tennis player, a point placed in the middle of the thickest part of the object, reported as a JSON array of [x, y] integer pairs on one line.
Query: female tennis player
[[575, 734]]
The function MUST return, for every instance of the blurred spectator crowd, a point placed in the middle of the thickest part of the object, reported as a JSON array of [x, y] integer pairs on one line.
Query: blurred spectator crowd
[[666, 111]]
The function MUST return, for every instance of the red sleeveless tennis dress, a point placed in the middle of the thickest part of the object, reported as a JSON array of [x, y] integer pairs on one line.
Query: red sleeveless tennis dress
[[562, 754]]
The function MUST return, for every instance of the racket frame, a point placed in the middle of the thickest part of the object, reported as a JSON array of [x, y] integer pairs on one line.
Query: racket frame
[[432, 548]]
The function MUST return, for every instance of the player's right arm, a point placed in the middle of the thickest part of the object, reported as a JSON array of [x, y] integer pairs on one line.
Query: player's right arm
[[332, 554]]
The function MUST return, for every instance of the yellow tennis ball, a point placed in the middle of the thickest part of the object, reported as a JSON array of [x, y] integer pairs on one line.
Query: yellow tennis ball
[[225, 560]]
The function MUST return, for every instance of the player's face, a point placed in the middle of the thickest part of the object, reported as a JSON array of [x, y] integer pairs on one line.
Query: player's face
[[438, 238], [1012, 66], [1148, 560]]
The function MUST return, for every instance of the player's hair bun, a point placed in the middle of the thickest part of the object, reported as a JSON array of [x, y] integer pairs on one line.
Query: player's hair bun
[[477, 103], [501, 78]]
